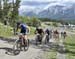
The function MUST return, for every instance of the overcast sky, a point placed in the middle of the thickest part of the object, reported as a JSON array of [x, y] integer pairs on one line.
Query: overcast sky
[[49, 0]]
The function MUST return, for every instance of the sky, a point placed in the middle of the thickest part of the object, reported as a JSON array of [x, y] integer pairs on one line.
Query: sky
[[49, 0], [29, 5]]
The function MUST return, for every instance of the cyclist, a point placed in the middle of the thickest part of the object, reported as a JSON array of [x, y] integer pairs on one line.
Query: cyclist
[[64, 34], [24, 31], [47, 31], [56, 34], [39, 31]]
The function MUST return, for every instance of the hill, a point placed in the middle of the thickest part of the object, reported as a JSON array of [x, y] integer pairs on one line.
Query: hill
[[53, 10]]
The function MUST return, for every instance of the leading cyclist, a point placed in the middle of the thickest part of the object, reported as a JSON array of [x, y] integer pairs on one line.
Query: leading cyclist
[[24, 30]]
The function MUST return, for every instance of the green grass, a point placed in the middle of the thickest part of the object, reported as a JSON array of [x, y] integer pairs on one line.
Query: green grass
[[5, 31], [50, 55], [70, 46], [32, 30], [71, 30]]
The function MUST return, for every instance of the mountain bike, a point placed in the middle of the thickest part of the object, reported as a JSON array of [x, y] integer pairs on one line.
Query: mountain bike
[[18, 45], [38, 39], [47, 38]]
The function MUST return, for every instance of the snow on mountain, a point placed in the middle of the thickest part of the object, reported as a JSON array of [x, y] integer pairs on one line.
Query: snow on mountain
[[55, 10]]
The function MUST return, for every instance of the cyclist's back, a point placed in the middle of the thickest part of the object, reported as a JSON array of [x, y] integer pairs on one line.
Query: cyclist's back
[[23, 26], [56, 32], [47, 31], [39, 30]]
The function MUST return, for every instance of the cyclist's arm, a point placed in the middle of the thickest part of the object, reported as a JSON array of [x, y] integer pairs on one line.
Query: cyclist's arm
[[28, 28]]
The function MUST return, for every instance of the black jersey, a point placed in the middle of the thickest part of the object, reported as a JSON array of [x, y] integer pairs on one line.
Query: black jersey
[[40, 31]]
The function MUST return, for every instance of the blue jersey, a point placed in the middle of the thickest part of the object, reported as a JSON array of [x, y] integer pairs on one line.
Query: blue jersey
[[23, 27]]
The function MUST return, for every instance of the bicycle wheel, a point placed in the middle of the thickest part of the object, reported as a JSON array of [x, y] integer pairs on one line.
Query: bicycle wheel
[[46, 39], [16, 47], [37, 39]]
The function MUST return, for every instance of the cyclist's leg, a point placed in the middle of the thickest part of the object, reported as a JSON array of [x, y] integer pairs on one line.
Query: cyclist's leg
[[37, 38], [20, 37], [20, 44], [25, 38], [41, 36], [48, 38]]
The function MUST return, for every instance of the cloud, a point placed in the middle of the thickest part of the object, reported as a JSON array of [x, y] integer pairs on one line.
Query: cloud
[[30, 8], [37, 0], [43, 2], [50, 0], [34, 3], [26, 7]]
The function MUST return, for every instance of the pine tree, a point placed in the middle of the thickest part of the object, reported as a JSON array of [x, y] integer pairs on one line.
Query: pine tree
[[9, 10], [15, 9], [0, 10]]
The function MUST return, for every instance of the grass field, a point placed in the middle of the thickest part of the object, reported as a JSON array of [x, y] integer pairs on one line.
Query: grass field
[[70, 46], [5, 31], [50, 54]]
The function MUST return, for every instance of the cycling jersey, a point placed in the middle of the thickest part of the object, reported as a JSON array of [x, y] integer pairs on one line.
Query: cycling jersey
[[56, 32], [23, 26], [23, 29], [47, 31], [39, 31]]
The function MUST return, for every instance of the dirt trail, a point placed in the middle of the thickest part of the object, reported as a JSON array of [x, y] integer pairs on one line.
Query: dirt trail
[[33, 52]]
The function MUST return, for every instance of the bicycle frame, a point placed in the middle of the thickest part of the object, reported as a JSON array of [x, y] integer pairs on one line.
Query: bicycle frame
[[20, 37]]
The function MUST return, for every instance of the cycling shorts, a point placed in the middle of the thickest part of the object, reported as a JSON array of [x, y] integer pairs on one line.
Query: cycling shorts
[[23, 32]]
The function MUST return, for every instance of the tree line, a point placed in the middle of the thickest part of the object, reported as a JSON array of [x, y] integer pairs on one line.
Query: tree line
[[62, 21], [9, 10]]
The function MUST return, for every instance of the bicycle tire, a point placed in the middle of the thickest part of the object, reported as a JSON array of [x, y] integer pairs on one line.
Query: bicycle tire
[[46, 39], [38, 39], [16, 47]]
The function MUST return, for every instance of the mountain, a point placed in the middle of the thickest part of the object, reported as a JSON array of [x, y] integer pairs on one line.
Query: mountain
[[59, 12], [54, 11]]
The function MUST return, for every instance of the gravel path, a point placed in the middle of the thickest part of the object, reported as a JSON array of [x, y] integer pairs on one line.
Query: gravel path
[[32, 53]]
